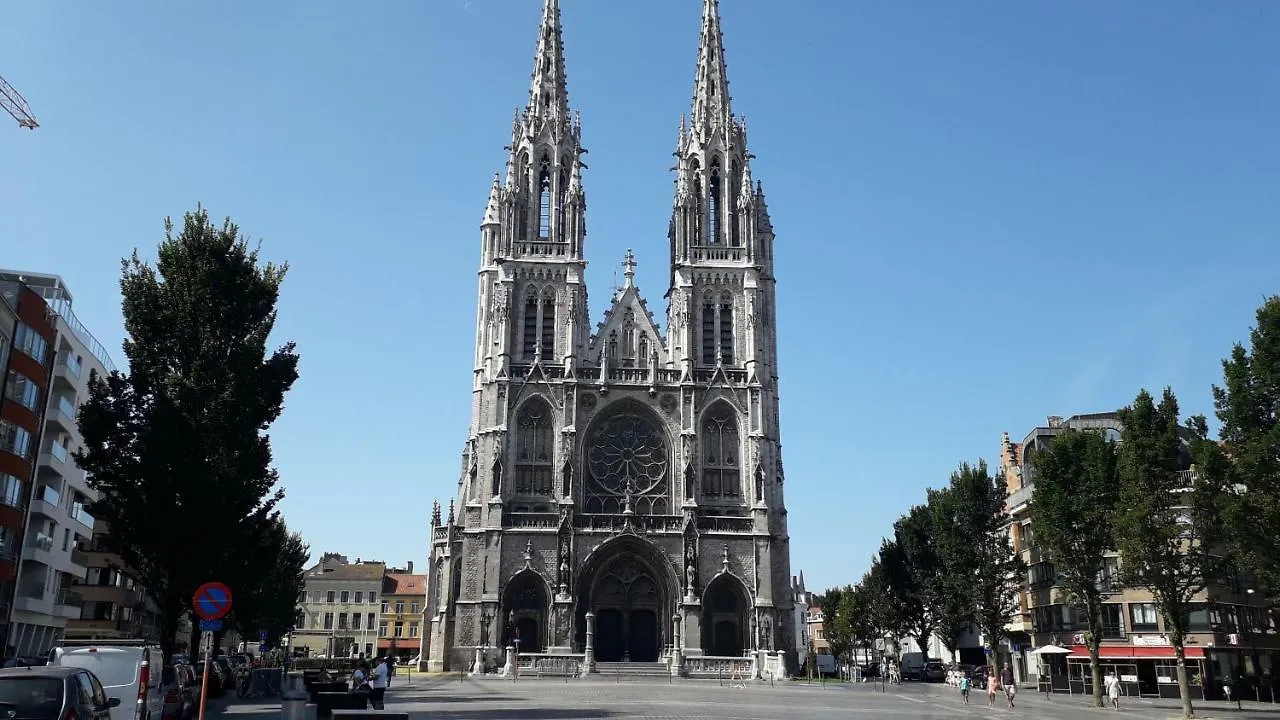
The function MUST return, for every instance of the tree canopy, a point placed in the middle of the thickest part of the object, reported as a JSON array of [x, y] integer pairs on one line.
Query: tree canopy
[[177, 449]]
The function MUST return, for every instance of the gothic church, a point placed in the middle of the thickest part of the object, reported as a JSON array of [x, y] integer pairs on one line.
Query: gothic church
[[621, 490]]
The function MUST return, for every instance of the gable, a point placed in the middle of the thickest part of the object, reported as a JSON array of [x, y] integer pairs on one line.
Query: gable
[[627, 332]]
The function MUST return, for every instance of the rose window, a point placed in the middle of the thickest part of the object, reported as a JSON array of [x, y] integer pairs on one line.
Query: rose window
[[627, 460]]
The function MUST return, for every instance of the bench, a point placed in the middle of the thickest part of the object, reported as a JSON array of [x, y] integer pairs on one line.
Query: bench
[[324, 687], [328, 702]]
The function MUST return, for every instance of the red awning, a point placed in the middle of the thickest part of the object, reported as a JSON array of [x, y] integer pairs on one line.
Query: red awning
[[1136, 652]]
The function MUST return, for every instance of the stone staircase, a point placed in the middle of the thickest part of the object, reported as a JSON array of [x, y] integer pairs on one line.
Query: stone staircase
[[633, 669]]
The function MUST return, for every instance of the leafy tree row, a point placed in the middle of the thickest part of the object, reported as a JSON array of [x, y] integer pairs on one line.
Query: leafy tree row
[[1172, 504], [177, 448]]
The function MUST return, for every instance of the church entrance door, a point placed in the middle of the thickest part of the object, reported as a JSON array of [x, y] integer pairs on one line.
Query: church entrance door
[[625, 600]]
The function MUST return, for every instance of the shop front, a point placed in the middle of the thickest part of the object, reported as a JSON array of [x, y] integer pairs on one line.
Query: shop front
[[1148, 671]]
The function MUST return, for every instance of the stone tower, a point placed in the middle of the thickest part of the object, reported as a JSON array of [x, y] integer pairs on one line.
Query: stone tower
[[624, 481]]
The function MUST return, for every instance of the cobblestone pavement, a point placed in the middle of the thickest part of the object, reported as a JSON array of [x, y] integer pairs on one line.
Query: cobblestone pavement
[[443, 698]]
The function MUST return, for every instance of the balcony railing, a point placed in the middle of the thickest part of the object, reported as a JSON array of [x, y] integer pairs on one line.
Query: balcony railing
[[73, 365], [58, 450], [70, 598], [32, 590], [81, 514], [47, 494], [42, 542]]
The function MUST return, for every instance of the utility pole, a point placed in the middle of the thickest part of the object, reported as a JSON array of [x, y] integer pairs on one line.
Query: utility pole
[[16, 105]]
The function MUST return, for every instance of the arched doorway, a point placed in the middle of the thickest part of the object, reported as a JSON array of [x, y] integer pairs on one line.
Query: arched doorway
[[628, 585], [725, 605], [524, 605]]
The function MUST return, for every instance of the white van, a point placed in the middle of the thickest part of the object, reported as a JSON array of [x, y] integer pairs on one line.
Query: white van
[[129, 670]]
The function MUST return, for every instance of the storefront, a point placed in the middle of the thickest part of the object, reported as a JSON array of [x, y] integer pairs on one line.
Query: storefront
[[1149, 671]]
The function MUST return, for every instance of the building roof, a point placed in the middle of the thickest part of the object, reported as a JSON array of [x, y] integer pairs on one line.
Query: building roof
[[404, 584], [342, 571]]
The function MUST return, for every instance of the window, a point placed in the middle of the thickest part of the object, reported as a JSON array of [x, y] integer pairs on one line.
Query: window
[[548, 338], [355, 621], [373, 598], [14, 439], [328, 621], [732, 218], [534, 447], [10, 490], [413, 608], [22, 390], [399, 607], [30, 342], [382, 629], [385, 607], [717, 331], [370, 620], [342, 621], [1028, 536], [346, 596], [530, 345], [715, 191], [1041, 575], [1109, 577], [544, 201], [720, 451], [359, 596], [399, 629], [413, 629], [368, 649], [1112, 621]]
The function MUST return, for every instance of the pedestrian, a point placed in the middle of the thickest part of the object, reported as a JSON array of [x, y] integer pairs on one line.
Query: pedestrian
[[1112, 686], [360, 678], [378, 684], [391, 669], [964, 687], [1010, 685], [993, 686]]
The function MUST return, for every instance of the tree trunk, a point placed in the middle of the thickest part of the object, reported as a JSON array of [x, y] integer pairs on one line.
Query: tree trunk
[[1184, 680], [1095, 671]]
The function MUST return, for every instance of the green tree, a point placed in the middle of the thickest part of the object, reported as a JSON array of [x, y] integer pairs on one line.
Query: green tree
[[839, 620], [1246, 406], [1077, 493], [177, 449], [914, 535], [953, 596], [1165, 519], [980, 556], [272, 575]]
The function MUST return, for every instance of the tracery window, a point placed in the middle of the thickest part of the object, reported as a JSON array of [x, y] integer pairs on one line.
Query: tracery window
[[732, 219], [720, 454], [548, 324], [695, 170], [538, 324], [560, 206], [715, 198], [627, 461], [534, 449], [544, 201], [644, 350], [717, 330]]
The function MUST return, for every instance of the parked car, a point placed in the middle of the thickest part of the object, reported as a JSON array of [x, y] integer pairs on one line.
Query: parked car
[[53, 693], [181, 692], [130, 670], [934, 671]]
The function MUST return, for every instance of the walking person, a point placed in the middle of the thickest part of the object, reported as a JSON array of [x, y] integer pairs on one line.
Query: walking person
[[378, 684], [1010, 685], [964, 687], [993, 686], [1112, 686]]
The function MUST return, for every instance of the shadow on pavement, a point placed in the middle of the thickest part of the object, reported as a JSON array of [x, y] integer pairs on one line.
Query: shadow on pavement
[[524, 714]]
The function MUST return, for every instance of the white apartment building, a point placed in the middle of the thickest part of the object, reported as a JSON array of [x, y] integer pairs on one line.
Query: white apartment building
[[58, 522], [340, 608]]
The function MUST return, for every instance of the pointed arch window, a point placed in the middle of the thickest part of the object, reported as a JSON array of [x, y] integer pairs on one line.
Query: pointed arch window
[[715, 198], [522, 214], [561, 203], [548, 338], [613, 344], [544, 200], [534, 449], [732, 219], [644, 350], [721, 476], [695, 170], [529, 344], [717, 330]]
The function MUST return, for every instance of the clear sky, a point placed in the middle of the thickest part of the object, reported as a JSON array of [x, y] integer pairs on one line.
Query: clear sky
[[987, 212]]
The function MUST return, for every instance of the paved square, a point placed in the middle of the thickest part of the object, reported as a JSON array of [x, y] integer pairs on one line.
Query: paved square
[[443, 698]]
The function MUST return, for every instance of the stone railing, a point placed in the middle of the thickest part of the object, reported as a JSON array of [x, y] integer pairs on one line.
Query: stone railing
[[729, 668], [615, 523], [530, 520], [549, 665], [725, 524], [440, 532]]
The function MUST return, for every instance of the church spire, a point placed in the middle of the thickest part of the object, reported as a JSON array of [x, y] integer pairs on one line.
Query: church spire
[[549, 93], [711, 82]]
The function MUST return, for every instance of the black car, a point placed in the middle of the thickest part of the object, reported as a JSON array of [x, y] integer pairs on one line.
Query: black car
[[53, 693]]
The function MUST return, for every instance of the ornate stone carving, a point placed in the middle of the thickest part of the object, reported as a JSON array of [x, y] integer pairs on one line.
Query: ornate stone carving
[[627, 464], [668, 401]]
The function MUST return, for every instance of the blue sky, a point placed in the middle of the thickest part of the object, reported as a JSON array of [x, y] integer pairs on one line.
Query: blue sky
[[987, 212]]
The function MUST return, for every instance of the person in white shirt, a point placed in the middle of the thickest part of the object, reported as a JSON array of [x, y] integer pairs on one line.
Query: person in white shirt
[[378, 684], [1112, 686]]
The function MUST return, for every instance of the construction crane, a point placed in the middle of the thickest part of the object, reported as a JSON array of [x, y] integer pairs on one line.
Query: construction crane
[[16, 105]]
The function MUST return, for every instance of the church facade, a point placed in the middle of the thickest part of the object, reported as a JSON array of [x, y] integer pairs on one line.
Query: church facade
[[623, 482]]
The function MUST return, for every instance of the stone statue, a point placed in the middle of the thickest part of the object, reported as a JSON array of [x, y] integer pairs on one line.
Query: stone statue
[[689, 573]]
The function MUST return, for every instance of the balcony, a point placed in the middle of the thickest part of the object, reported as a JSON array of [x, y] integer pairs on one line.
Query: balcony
[[79, 557], [45, 501], [39, 548], [1018, 498], [62, 412], [68, 370], [31, 597], [68, 603], [80, 514]]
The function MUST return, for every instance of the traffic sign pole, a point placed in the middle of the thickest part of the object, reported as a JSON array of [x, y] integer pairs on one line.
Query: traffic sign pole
[[204, 679], [211, 603]]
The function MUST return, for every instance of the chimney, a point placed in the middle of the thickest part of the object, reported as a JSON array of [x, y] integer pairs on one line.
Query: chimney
[[409, 565]]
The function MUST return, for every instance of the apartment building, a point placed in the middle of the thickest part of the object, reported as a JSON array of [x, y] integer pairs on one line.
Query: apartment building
[[404, 597], [27, 341], [340, 608], [59, 525], [114, 605], [1231, 631]]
